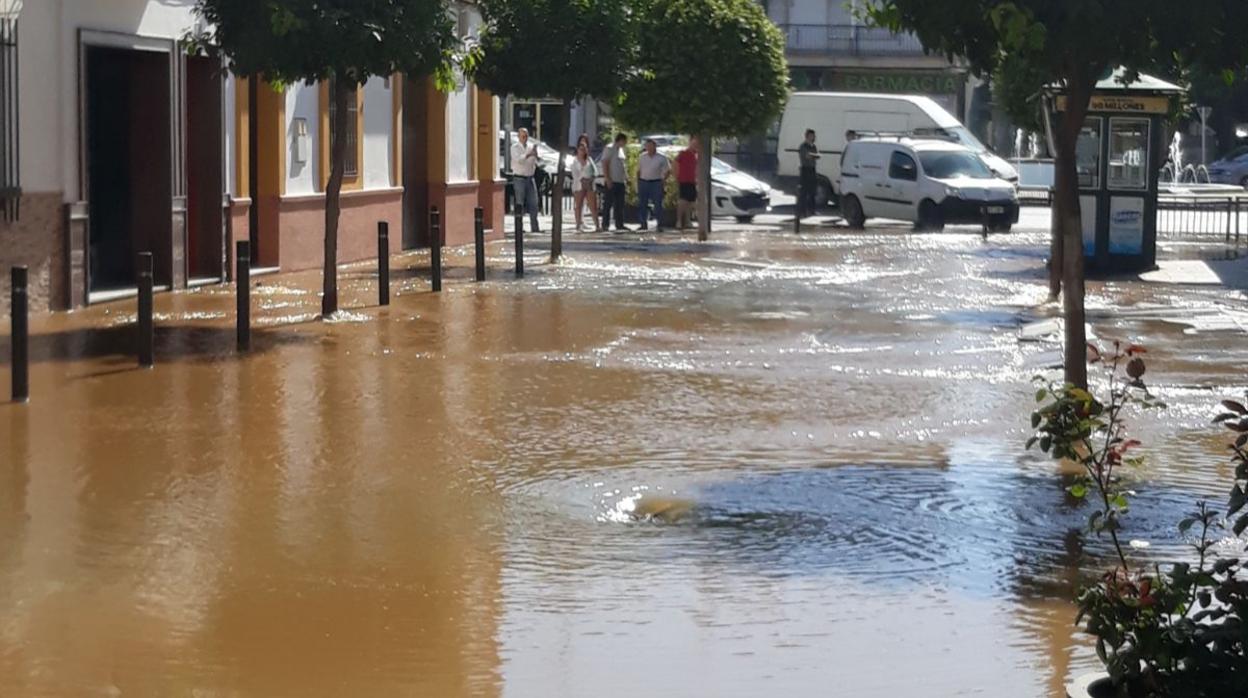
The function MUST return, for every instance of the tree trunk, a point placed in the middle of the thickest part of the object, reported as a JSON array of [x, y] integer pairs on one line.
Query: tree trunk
[[1066, 203], [556, 205], [343, 93], [706, 151]]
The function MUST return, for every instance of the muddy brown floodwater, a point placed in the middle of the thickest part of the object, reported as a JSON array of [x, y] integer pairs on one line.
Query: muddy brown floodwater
[[438, 498]]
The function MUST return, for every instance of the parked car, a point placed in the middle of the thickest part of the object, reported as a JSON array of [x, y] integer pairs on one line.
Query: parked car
[[733, 192], [833, 114], [930, 183], [663, 140], [737, 194], [1231, 169]]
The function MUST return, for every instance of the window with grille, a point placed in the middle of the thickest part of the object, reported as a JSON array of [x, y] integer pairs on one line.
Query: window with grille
[[351, 158], [10, 184]]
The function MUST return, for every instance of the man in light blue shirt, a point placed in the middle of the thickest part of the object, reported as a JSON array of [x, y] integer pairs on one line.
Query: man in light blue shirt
[[653, 170]]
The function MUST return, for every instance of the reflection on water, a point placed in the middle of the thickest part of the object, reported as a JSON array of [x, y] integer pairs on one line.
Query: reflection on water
[[779, 465]]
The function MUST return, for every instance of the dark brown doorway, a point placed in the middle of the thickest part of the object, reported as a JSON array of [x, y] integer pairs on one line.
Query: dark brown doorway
[[128, 163], [205, 170], [416, 108]]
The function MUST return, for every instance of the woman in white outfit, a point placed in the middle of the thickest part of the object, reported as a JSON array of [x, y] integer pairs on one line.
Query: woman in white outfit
[[584, 171]]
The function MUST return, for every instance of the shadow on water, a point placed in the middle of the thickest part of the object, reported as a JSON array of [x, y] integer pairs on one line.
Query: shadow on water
[[463, 270], [174, 343], [978, 528]]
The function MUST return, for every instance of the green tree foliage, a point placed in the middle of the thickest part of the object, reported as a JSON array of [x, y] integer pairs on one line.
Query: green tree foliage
[[346, 41], [1161, 628], [1071, 43], [1227, 94], [564, 49], [715, 68]]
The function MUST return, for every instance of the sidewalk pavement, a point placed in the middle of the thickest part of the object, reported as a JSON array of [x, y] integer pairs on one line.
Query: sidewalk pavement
[[1230, 273]]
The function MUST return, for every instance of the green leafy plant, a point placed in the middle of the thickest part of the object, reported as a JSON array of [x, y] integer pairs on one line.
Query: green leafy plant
[[1174, 630]]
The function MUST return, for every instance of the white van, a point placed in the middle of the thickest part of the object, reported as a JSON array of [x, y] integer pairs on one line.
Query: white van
[[928, 182], [833, 114]]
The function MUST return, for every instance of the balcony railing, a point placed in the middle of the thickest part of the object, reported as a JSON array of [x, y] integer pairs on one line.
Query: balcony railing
[[849, 40]]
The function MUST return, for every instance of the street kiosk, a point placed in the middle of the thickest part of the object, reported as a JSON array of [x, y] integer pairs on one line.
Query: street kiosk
[[1120, 154]]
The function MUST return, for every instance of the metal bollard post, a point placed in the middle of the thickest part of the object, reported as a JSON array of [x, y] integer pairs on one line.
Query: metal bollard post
[[19, 321], [435, 248], [242, 279], [147, 333], [478, 232], [797, 211], [383, 263], [1230, 203], [519, 251]]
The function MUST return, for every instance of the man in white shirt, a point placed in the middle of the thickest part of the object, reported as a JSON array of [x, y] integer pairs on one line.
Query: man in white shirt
[[652, 172], [523, 167]]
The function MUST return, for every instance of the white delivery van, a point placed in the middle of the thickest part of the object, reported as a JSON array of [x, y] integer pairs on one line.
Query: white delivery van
[[833, 114], [929, 182]]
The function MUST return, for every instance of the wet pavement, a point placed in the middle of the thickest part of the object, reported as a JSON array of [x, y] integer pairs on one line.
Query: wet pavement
[[444, 497]]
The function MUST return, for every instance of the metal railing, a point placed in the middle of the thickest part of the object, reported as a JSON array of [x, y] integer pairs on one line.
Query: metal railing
[[850, 40], [1193, 216], [1204, 216]]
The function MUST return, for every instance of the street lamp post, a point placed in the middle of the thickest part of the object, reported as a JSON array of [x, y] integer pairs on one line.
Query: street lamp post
[[1204, 133]]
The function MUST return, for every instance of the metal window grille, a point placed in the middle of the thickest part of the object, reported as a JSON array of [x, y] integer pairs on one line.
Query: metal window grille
[[351, 157], [10, 179]]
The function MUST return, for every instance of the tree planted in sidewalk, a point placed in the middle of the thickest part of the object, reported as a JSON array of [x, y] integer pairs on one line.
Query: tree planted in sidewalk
[[1071, 45], [712, 68], [344, 42], [563, 49]]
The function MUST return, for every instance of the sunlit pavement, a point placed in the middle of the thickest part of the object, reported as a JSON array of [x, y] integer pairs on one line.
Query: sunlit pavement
[[442, 497]]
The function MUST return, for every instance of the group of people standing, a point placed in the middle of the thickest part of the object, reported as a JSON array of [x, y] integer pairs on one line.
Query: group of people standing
[[653, 171]]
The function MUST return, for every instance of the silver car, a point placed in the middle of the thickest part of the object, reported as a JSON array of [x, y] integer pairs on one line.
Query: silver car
[[1231, 169]]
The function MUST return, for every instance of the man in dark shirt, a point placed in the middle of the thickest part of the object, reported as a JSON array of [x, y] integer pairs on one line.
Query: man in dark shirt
[[808, 158]]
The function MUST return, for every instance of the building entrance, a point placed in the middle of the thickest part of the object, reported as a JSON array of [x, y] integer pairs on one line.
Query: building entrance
[[128, 162], [205, 171]]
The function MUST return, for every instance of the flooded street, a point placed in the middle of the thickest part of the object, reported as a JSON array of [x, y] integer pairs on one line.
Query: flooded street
[[447, 497]]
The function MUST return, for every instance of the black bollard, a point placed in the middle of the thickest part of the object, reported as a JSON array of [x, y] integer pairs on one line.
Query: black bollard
[[478, 232], [519, 251], [797, 212], [435, 249], [383, 263], [19, 321], [147, 333], [242, 279]]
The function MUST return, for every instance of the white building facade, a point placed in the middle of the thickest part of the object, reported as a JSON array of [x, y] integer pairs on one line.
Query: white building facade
[[121, 143], [830, 48]]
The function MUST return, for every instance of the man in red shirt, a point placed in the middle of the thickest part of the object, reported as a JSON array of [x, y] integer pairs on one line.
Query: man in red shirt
[[687, 178]]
